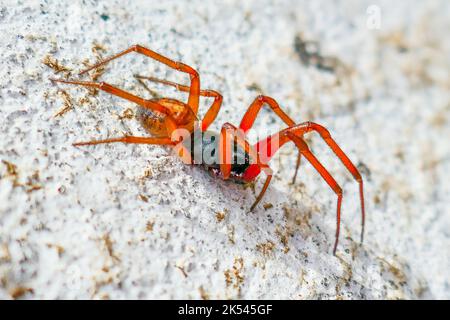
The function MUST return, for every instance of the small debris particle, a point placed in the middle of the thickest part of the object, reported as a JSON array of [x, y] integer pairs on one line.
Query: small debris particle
[[53, 63], [67, 103], [220, 216], [19, 292], [231, 234], [265, 248], [109, 247], [148, 174], [203, 294], [127, 114], [234, 276], [149, 226], [97, 49], [396, 271], [255, 87], [11, 170], [62, 189], [346, 277], [284, 239], [364, 170], [302, 277], [59, 249], [104, 17], [299, 220], [250, 185], [268, 206], [377, 199], [5, 255], [309, 53], [143, 198], [32, 183], [33, 188], [84, 100], [183, 271]]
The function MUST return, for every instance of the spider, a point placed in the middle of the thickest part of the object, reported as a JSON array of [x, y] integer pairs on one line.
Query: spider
[[162, 117]]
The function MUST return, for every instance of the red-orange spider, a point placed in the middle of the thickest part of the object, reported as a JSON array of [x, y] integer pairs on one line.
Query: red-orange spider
[[162, 117]]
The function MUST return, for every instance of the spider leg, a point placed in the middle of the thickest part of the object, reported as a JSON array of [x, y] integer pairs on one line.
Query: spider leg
[[128, 139], [252, 112], [212, 112], [230, 133], [304, 149], [146, 104], [182, 151], [279, 139], [325, 135], [194, 89]]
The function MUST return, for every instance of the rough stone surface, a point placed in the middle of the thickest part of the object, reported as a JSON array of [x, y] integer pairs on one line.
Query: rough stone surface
[[132, 221]]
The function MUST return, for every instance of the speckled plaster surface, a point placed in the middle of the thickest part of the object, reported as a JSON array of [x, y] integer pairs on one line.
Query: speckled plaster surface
[[120, 221]]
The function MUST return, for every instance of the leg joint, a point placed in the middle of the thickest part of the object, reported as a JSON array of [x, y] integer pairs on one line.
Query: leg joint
[[136, 47], [180, 66], [320, 129]]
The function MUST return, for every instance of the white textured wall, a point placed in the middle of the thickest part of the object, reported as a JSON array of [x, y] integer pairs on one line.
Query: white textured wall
[[122, 221]]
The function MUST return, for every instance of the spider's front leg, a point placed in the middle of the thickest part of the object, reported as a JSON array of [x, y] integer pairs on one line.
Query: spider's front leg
[[252, 112], [229, 134]]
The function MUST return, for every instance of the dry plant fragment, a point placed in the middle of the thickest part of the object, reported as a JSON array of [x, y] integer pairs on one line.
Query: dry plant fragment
[[143, 198], [149, 226], [181, 268], [59, 249], [231, 234], [12, 172], [96, 50], [32, 183], [309, 53], [266, 247], [109, 247], [234, 276], [394, 270], [127, 114], [53, 63], [220, 215], [284, 238], [267, 206], [67, 103], [19, 292], [203, 294]]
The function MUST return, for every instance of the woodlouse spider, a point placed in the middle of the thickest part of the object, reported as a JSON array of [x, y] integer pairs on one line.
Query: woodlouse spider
[[163, 117]]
